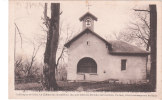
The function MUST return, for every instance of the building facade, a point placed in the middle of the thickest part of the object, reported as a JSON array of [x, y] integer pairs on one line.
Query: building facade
[[92, 58]]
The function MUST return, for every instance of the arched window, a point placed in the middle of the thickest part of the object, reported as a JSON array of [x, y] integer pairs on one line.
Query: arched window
[[87, 65]]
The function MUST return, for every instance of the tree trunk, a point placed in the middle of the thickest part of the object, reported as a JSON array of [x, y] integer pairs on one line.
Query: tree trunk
[[147, 49], [51, 48], [153, 34], [46, 75]]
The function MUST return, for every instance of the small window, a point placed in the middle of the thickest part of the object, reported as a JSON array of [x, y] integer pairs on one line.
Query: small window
[[88, 43], [123, 64], [88, 22]]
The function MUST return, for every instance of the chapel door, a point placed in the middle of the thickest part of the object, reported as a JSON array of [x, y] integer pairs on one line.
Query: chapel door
[[87, 65]]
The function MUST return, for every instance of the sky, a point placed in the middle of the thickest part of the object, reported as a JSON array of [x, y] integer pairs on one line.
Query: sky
[[113, 17]]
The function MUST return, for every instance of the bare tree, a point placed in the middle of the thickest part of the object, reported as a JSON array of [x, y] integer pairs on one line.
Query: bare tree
[[141, 30], [67, 35], [16, 28], [138, 32], [29, 66], [18, 67], [26, 67]]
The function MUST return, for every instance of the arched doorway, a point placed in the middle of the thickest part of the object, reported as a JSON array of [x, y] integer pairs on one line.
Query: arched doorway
[[87, 65]]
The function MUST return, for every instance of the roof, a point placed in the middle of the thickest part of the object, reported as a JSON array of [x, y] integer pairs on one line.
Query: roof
[[83, 32], [115, 47], [88, 14], [120, 47]]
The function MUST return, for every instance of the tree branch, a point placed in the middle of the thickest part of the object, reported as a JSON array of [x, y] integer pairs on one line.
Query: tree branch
[[19, 33], [60, 57]]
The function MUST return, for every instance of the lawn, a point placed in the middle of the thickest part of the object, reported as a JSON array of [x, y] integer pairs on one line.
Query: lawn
[[88, 86]]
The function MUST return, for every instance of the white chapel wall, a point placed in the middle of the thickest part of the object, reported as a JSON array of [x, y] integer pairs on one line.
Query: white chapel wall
[[108, 66]]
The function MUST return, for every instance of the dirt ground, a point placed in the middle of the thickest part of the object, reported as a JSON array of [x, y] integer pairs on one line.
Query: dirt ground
[[88, 86]]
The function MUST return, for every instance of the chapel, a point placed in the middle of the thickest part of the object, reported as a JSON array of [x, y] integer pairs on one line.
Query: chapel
[[92, 58]]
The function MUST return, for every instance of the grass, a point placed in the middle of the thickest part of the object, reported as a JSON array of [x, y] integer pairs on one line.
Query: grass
[[89, 86], [28, 86]]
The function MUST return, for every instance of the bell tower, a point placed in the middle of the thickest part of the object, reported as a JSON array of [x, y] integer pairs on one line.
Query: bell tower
[[88, 21]]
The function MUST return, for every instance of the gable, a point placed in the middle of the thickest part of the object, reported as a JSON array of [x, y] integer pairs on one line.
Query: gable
[[88, 14], [114, 47], [87, 30]]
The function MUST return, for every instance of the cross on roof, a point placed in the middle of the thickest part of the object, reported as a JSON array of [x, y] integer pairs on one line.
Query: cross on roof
[[88, 6]]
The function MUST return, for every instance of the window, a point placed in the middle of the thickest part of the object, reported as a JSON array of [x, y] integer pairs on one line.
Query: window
[[87, 65], [88, 22], [123, 64], [88, 43]]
